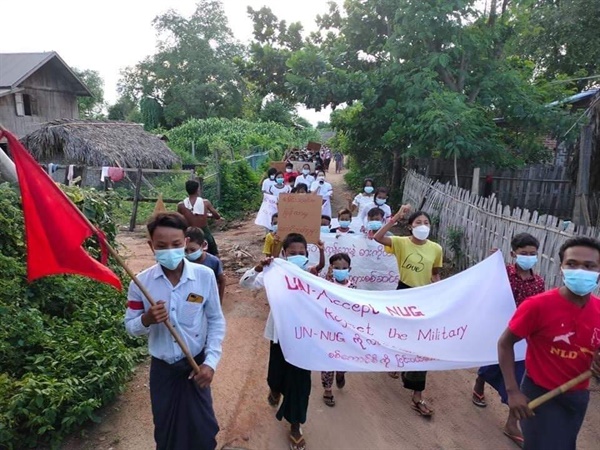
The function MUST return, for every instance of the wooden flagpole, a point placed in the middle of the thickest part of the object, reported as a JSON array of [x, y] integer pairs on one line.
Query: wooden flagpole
[[559, 390]]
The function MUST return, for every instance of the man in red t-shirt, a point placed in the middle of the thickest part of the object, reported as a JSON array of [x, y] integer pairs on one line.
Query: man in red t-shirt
[[562, 329], [289, 173]]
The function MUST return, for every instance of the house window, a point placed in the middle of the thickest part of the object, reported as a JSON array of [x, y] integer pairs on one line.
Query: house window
[[26, 105]]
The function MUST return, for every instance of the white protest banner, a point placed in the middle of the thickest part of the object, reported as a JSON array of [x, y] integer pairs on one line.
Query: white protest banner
[[266, 211], [372, 268], [452, 324]]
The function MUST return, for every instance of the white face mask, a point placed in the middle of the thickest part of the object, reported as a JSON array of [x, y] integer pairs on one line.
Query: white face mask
[[421, 232]]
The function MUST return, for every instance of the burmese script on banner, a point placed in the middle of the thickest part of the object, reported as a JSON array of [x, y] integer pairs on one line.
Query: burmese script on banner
[[452, 324]]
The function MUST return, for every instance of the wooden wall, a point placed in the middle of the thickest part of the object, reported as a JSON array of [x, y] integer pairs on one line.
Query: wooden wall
[[54, 97]]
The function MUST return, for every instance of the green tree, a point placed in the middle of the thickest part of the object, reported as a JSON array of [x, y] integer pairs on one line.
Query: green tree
[[125, 109], [91, 107], [192, 74]]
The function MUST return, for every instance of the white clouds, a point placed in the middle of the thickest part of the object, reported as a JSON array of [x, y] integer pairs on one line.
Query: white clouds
[[110, 35]]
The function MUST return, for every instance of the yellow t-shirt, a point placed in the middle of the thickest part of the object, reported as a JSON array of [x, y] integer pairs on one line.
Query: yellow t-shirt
[[415, 262], [272, 248]]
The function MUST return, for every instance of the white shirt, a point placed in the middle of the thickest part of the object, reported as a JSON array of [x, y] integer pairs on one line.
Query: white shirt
[[200, 325], [256, 280], [385, 208], [325, 190], [274, 190], [266, 185], [307, 180], [362, 200]]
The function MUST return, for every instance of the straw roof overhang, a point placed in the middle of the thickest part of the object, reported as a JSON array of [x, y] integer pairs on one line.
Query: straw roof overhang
[[99, 143]]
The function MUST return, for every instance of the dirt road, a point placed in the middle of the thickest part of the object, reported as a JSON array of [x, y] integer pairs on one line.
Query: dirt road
[[372, 411]]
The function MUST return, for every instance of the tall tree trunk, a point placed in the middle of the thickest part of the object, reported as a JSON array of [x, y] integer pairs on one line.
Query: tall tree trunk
[[396, 171], [455, 170]]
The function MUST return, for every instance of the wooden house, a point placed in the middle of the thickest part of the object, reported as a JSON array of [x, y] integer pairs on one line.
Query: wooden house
[[36, 88]]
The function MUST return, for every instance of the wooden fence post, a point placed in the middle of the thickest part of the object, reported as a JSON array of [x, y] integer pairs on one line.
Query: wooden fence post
[[218, 165], [136, 199], [475, 182], [581, 212]]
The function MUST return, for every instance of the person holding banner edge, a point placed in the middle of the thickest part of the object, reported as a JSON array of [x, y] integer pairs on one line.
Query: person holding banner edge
[[419, 263], [562, 330], [286, 381]]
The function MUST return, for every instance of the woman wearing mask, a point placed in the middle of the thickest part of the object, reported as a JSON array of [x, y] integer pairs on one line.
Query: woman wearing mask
[[305, 177], [269, 181], [379, 201], [363, 199], [419, 263], [279, 187], [325, 190]]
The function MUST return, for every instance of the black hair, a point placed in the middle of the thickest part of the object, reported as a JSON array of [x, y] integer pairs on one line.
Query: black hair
[[382, 190], [524, 240], [279, 172], [195, 234], [166, 219], [304, 166], [416, 214], [289, 165], [323, 216], [271, 171], [191, 187], [368, 180], [343, 211], [375, 212], [274, 215], [580, 241], [300, 186], [294, 238], [340, 257]]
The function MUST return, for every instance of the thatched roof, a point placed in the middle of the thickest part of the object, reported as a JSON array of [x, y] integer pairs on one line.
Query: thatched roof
[[99, 143]]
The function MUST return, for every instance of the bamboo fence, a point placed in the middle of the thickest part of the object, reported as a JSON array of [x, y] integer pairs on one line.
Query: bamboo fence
[[473, 225]]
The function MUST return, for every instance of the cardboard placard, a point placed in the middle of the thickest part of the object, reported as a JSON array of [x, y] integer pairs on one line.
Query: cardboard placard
[[313, 146], [300, 213], [279, 165]]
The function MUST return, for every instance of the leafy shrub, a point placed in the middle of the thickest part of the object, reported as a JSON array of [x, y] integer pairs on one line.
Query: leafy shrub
[[240, 190], [64, 352]]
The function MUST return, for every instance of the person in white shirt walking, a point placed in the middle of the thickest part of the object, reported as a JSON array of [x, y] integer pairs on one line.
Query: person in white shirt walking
[[187, 296], [305, 177], [325, 190], [363, 198], [379, 201], [279, 187]]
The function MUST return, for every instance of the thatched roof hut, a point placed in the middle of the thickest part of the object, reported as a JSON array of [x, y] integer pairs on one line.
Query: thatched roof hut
[[99, 143]]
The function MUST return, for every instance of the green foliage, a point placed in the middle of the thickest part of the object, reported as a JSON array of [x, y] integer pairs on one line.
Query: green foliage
[[91, 107], [240, 191], [66, 352], [454, 241], [235, 138]]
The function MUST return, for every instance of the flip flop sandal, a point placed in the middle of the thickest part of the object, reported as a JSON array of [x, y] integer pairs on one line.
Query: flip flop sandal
[[478, 400], [394, 375], [273, 400], [419, 408], [329, 400], [297, 444], [516, 439], [340, 381]]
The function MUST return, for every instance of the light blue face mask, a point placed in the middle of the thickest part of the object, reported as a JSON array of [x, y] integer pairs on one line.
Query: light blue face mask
[[380, 201], [341, 275], [374, 225], [170, 258], [324, 229], [526, 262], [298, 260], [195, 255], [580, 282], [274, 228], [344, 223], [280, 180], [369, 189]]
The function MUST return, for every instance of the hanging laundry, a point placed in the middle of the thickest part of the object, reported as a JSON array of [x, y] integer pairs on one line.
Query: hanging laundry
[[69, 174], [104, 173], [116, 173]]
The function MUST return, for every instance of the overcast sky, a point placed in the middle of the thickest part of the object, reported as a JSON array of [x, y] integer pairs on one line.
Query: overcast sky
[[110, 35]]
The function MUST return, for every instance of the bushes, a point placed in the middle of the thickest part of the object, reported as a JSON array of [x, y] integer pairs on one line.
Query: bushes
[[65, 352]]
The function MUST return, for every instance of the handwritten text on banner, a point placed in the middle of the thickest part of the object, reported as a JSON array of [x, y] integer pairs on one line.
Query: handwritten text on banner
[[452, 324]]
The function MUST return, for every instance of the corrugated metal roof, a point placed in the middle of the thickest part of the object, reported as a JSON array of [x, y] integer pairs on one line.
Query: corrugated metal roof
[[14, 67], [575, 98]]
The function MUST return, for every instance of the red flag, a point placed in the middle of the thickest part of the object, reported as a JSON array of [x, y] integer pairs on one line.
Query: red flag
[[54, 228]]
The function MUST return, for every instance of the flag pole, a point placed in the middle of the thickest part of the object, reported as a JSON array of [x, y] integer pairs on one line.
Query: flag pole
[[559, 390]]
